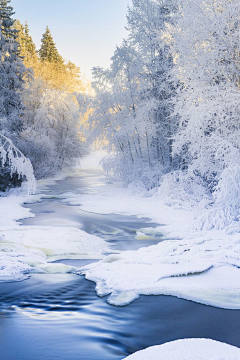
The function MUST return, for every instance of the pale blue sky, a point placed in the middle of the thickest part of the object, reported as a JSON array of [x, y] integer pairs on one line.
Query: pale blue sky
[[85, 31]]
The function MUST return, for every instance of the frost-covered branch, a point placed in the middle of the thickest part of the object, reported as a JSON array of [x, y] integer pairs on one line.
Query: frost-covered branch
[[17, 162]]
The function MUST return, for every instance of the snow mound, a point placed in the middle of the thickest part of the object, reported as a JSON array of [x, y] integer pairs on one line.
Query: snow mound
[[189, 349], [11, 209], [31, 249], [203, 271]]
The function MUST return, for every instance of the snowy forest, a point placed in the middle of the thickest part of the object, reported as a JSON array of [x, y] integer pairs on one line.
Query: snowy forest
[[39, 114], [123, 189], [167, 109]]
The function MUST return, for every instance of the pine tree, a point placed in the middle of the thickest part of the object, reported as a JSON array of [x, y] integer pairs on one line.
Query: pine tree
[[48, 51]]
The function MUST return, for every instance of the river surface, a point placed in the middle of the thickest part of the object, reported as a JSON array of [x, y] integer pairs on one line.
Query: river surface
[[60, 317]]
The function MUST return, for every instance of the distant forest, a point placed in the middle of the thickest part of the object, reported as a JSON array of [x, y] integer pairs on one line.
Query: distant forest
[[167, 109]]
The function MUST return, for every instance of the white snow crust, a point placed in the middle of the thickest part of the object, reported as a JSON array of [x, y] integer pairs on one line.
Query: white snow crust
[[189, 349], [201, 266], [31, 249], [198, 265]]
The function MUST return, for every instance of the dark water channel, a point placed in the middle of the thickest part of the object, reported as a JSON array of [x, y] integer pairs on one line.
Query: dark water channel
[[59, 317]]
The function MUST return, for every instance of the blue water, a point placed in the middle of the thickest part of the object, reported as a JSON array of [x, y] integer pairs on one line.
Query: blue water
[[59, 317]]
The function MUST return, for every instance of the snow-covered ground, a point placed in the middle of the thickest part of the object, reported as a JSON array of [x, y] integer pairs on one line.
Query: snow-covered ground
[[31, 249], [189, 349], [199, 265], [202, 266]]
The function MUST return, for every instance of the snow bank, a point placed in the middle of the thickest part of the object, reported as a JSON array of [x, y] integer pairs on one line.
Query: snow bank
[[30, 249], [203, 271], [203, 266], [11, 208], [25, 249], [189, 349]]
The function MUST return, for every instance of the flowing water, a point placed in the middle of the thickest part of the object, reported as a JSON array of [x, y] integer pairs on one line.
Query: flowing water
[[60, 317]]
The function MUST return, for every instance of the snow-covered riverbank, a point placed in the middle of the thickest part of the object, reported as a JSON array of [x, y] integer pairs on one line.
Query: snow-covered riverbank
[[202, 266], [198, 265], [31, 249]]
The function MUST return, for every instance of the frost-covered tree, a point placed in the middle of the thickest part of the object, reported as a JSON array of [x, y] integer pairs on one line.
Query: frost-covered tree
[[12, 72], [146, 19], [53, 129], [132, 106], [14, 166], [207, 52], [7, 21], [206, 43]]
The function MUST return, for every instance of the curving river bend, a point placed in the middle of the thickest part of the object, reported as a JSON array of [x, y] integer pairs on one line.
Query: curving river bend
[[60, 317]]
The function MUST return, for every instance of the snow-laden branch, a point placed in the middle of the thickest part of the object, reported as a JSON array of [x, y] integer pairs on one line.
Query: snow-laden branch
[[17, 162]]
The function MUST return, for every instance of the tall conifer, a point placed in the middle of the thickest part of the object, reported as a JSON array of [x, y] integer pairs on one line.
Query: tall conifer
[[12, 72], [27, 47], [48, 51], [6, 13]]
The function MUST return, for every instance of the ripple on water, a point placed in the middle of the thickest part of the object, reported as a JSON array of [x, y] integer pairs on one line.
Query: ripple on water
[[64, 315], [59, 317]]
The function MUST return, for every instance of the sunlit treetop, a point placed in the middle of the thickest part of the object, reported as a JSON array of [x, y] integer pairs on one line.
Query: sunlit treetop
[[48, 50]]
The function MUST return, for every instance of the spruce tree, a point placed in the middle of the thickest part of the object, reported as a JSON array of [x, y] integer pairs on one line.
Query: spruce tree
[[30, 46], [27, 47], [48, 51], [7, 22]]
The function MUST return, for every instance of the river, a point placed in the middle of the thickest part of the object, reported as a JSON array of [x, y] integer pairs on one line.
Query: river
[[60, 317]]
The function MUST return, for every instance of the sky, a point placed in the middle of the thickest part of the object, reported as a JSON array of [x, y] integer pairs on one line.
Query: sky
[[85, 31]]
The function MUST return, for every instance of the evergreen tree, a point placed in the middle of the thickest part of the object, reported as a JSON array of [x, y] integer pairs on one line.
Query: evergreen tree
[[7, 22], [52, 69], [48, 51], [12, 73], [27, 47], [30, 46]]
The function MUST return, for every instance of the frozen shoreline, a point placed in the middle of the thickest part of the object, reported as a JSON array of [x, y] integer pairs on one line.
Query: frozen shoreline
[[202, 266], [31, 249], [199, 265]]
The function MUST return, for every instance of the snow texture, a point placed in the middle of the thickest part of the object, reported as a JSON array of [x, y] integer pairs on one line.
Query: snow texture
[[26, 249], [18, 163], [201, 266], [188, 349]]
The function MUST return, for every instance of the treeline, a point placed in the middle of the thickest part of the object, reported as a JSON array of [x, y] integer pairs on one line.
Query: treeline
[[169, 105], [39, 112], [47, 63]]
